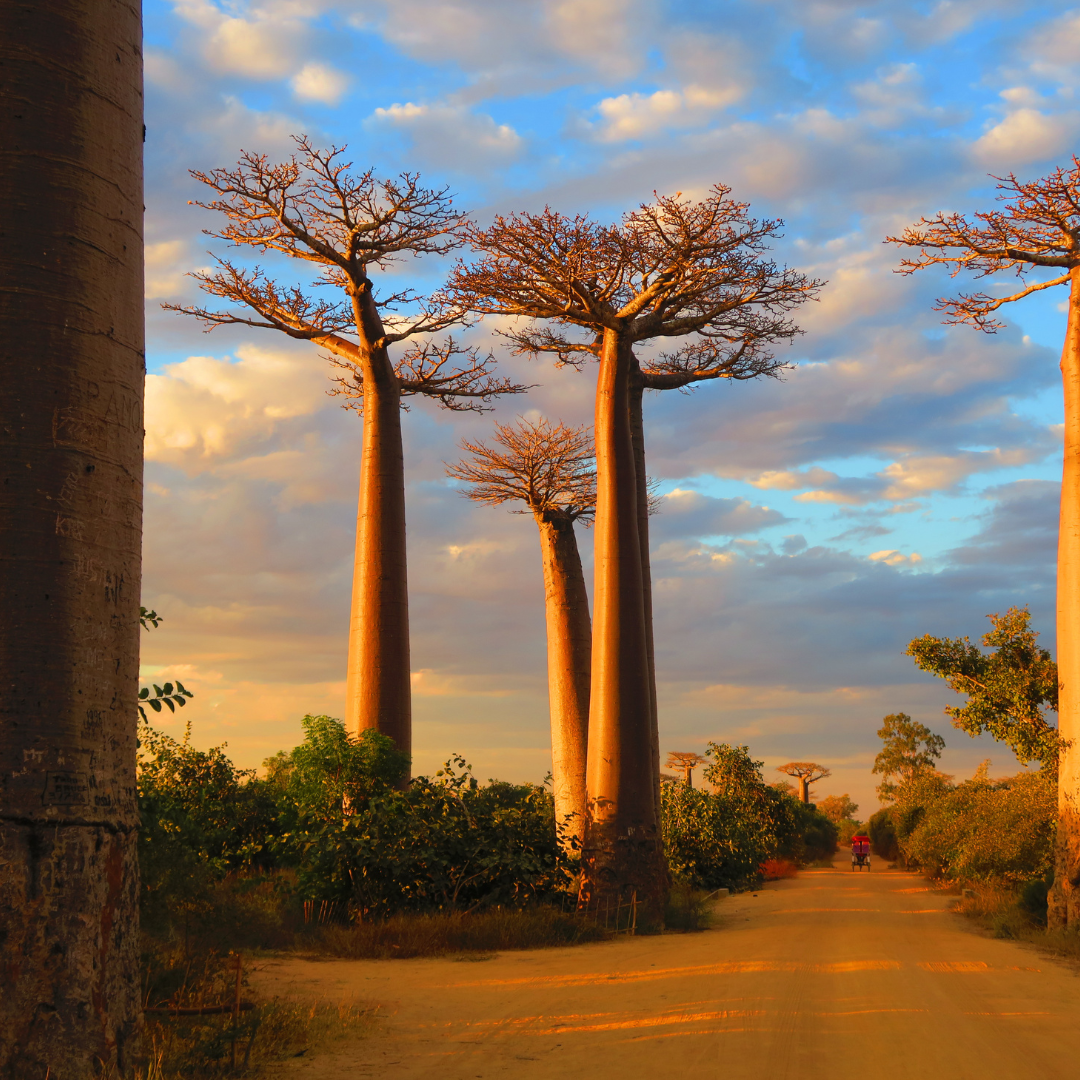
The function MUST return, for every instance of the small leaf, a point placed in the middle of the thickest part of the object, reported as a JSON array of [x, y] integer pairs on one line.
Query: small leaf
[[144, 693], [168, 701], [155, 704], [167, 691]]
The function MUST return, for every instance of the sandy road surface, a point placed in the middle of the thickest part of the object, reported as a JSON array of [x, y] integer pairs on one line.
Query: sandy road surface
[[832, 975]]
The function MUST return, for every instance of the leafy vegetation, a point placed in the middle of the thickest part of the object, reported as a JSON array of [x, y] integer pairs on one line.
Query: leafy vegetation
[[720, 838], [1011, 691]]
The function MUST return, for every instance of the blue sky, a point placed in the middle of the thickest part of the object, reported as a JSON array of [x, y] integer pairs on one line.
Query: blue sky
[[900, 480]]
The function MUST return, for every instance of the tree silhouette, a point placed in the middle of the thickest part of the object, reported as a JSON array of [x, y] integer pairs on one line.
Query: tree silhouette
[[807, 773], [1037, 227], [673, 269], [313, 209], [549, 468], [688, 762], [908, 748], [72, 351], [1009, 691]]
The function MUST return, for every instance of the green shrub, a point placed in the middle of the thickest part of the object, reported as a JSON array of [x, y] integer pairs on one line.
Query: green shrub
[[720, 838], [982, 830], [883, 835]]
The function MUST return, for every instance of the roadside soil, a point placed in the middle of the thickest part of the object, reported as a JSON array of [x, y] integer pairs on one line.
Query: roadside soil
[[833, 974]]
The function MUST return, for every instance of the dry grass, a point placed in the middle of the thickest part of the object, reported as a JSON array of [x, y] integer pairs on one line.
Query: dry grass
[[200, 1048], [442, 934], [997, 912]]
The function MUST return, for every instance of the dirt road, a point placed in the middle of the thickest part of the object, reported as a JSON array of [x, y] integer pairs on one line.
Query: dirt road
[[833, 975]]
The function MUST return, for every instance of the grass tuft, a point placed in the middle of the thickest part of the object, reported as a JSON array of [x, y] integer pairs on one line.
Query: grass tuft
[[406, 936], [688, 910]]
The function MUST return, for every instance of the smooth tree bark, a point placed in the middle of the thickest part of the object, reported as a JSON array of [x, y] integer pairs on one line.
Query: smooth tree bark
[[745, 357], [313, 209], [1038, 228], [72, 358], [672, 269], [549, 468], [807, 773]]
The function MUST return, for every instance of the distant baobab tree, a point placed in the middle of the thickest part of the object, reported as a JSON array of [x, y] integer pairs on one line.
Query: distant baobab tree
[[1038, 227], [807, 773], [72, 352], [313, 209], [688, 762], [549, 467], [673, 269]]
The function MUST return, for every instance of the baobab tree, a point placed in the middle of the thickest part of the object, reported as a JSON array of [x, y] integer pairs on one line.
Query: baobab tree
[[72, 356], [313, 209], [673, 269], [688, 762], [807, 773], [549, 468], [1038, 227]]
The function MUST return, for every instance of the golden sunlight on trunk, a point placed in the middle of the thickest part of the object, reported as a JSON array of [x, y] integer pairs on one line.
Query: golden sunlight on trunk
[[1065, 896], [569, 645], [378, 692], [622, 841]]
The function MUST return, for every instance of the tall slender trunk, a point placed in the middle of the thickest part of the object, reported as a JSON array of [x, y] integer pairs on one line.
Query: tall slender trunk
[[623, 848], [1065, 896], [378, 693], [72, 363], [636, 394], [804, 790], [569, 645]]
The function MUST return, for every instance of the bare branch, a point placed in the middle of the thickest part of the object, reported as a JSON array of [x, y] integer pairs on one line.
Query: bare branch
[[669, 269], [549, 467], [1039, 227], [432, 370]]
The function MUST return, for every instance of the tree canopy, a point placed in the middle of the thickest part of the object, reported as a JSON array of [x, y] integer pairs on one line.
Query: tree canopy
[[909, 748], [1011, 690]]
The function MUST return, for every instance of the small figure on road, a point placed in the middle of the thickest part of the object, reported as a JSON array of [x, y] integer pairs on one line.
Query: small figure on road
[[860, 851]]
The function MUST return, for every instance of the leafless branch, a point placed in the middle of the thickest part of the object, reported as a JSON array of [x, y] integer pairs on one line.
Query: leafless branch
[[1038, 227], [548, 467], [432, 369]]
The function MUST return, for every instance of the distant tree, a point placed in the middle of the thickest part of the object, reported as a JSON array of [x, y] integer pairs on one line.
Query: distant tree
[[313, 209], [909, 748], [1038, 227], [549, 468], [838, 808], [72, 353], [688, 762], [674, 269], [1010, 691], [806, 773]]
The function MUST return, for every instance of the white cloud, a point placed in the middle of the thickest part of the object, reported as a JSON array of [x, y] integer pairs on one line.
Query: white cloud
[[635, 116], [892, 557], [266, 46], [167, 266], [1025, 135], [320, 82], [205, 409], [451, 136]]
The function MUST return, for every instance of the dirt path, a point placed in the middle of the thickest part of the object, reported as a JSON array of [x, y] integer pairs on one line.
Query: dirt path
[[833, 975]]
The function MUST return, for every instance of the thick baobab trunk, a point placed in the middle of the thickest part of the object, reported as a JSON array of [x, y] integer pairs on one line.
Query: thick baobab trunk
[[71, 356], [622, 848], [804, 790], [1065, 896], [636, 393], [378, 691], [569, 646]]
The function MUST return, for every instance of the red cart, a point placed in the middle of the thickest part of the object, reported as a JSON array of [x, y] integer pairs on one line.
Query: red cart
[[860, 852]]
